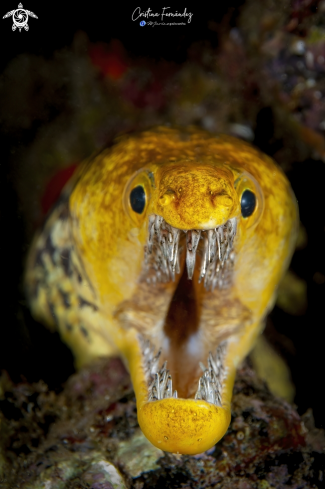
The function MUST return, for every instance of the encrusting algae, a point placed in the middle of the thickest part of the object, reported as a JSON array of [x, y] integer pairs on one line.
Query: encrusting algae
[[167, 248]]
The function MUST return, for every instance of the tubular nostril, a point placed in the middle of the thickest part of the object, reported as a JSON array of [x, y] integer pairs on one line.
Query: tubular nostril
[[223, 200], [167, 197]]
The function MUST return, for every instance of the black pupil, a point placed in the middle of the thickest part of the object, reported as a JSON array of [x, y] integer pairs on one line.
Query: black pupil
[[248, 203], [138, 199]]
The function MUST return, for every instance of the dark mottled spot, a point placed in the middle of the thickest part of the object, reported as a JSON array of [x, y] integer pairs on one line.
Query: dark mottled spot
[[84, 303], [52, 311], [79, 276], [84, 332], [66, 261], [50, 248], [84, 273], [65, 298], [69, 327]]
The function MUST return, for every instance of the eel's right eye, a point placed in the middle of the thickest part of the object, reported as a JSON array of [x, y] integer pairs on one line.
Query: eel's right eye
[[138, 199]]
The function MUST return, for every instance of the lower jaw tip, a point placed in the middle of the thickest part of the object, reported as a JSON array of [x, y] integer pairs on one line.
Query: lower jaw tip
[[184, 426]]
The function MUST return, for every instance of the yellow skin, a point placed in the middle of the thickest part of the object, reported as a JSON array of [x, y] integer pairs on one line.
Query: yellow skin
[[194, 180]]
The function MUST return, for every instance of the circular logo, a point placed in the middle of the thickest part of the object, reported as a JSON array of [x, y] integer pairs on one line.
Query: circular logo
[[142, 23], [20, 18]]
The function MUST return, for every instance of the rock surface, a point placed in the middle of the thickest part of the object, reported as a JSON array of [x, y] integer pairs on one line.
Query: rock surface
[[87, 436]]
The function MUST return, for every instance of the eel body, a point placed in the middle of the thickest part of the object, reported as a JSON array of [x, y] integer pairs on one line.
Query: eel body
[[167, 248]]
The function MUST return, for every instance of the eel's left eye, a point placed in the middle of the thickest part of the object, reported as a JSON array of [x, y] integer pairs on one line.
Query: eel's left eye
[[138, 199], [251, 199], [247, 203]]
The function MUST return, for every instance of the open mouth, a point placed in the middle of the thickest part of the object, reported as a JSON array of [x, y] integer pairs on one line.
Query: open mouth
[[187, 375], [165, 251]]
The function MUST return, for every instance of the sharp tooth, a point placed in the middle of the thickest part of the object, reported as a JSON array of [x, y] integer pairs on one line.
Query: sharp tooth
[[172, 275], [177, 267], [170, 246], [211, 363], [222, 253], [192, 241], [163, 384], [211, 245], [173, 249], [204, 261], [169, 390], [210, 383], [175, 394], [202, 366], [221, 233], [157, 386], [163, 243], [162, 253], [152, 219], [154, 363], [158, 222], [164, 367], [218, 241], [173, 253], [224, 242], [234, 227]]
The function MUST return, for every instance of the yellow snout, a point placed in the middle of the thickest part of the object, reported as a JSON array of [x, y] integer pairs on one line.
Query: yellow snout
[[196, 198]]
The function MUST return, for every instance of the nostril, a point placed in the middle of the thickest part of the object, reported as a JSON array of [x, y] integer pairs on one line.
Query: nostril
[[167, 197], [223, 200]]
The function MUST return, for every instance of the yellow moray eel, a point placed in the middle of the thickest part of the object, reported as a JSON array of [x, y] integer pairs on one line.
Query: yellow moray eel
[[167, 249]]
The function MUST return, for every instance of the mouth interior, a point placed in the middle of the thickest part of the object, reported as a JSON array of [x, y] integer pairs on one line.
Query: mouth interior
[[181, 327], [170, 251]]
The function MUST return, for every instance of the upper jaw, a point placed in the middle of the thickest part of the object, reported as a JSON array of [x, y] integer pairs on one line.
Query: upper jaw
[[164, 246]]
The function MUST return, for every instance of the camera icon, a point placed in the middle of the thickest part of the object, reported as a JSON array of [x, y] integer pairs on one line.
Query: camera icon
[[142, 23]]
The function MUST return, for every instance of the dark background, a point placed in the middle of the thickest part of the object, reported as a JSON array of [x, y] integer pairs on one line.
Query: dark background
[[28, 350], [58, 22]]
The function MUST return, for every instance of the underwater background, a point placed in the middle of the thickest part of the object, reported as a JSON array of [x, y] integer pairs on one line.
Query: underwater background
[[80, 76]]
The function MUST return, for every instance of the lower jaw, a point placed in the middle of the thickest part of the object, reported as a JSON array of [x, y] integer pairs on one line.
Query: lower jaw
[[184, 426], [171, 423], [177, 425]]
